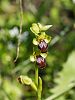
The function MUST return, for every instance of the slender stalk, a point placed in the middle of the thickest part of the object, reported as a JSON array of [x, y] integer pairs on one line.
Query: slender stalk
[[39, 95], [39, 88], [36, 79], [36, 76], [53, 97], [38, 82], [21, 22]]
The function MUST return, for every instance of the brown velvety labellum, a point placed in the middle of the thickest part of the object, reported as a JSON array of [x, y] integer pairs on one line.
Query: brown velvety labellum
[[41, 62], [43, 46]]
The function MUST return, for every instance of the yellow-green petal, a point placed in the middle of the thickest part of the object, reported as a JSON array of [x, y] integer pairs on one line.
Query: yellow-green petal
[[44, 28], [34, 28], [42, 36], [47, 39], [44, 55], [35, 42], [32, 58], [40, 26]]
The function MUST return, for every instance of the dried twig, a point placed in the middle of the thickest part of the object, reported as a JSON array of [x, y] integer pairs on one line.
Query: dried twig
[[21, 21]]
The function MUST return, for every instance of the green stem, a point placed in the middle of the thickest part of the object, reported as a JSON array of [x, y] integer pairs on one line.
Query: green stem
[[38, 82], [53, 97], [36, 76], [39, 88], [39, 95]]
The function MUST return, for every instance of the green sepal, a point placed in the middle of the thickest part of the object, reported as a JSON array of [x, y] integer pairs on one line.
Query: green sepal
[[35, 29], [32, 58], [44, 28], [44, 55], [35, 42]]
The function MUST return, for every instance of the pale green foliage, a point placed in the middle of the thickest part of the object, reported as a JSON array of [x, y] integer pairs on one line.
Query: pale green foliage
[[10, 89], [66, 76]]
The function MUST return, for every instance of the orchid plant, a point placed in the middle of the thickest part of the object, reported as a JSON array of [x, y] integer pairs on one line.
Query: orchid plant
[[40, 52]]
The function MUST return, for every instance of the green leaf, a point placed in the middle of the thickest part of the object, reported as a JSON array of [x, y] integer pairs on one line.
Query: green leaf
[[10, 90], [66, 76], [40, 84]]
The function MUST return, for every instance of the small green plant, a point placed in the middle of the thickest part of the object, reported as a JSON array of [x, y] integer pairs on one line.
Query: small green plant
[[40, 51]]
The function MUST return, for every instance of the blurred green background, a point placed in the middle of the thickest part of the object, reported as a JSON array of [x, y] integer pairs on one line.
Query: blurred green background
[[59, 13]]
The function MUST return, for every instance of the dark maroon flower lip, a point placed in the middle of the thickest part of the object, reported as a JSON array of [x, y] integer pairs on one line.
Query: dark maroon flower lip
[[43, 46], [41, 62]]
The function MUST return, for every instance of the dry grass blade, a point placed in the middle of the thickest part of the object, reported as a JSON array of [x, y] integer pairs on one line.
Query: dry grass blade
[[21, 21]]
